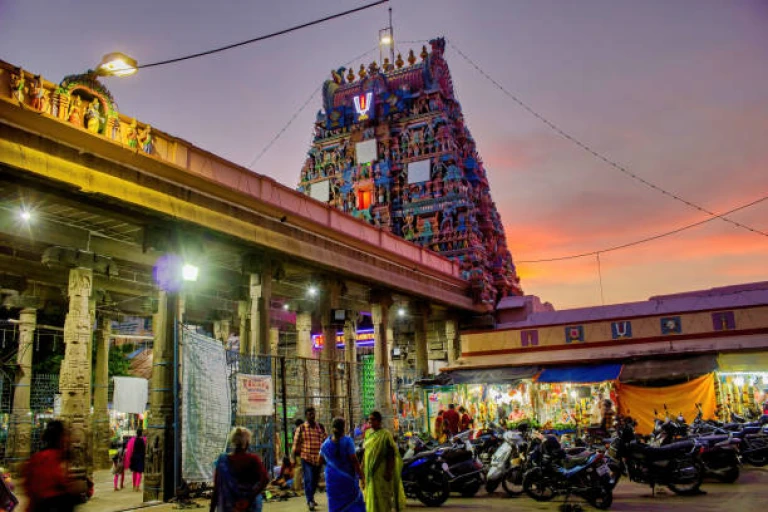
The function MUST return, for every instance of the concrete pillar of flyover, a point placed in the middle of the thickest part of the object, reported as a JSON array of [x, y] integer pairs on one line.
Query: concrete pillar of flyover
[[380, 304], [421, 321], [158, 481], [304, 334], [75, 377], [101, 431], [20, 432], [353, 413]]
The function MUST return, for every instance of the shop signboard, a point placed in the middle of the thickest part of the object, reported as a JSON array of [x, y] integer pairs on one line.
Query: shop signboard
[[254, 395]]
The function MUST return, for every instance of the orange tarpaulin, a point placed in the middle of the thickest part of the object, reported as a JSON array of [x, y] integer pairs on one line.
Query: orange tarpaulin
[[639, 401]]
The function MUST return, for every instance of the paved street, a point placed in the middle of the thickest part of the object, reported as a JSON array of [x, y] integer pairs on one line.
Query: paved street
[[749, 494]]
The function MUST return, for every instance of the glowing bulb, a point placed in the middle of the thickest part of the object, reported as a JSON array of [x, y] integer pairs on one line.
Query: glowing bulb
[[401, 312], [285, 307], [386, 39], [574, 394], [189, 272], [25, 215], [312, 291]]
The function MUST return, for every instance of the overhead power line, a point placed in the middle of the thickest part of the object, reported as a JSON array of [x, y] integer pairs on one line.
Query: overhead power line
[[647, 239], [600, 156], [264, 37]]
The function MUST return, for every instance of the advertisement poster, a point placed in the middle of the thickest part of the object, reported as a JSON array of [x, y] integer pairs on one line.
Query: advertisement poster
[[254, 395]]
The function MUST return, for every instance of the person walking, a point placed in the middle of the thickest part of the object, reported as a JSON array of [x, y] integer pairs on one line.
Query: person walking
[[46, 475], [298, 475], [465, 423], [118, 466], [381, 468], [452, 420], [342, 471], [135, 454], [306, 444], [239, 478]]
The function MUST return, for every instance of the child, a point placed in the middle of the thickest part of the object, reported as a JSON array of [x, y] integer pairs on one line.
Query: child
[[285, 478], [118, 466]]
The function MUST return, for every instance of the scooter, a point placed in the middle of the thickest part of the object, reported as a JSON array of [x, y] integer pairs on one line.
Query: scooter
[[507, 464]]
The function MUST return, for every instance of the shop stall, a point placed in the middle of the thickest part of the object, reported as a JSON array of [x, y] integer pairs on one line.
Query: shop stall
[[570, 398], [741, 384], [497, 395]]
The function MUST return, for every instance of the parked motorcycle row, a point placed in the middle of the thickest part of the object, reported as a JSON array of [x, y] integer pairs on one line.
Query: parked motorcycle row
[[523, 461]]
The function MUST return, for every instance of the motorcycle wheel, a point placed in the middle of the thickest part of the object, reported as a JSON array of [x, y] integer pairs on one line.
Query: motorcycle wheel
[[689, 489], [615, 474], [471, 489], [436, 492], [512, 482], [755, 460], [604, 498], [491, 486], [536, 486]]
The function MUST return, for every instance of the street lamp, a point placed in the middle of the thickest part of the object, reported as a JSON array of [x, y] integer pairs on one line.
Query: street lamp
[[25, 215], [117, 64], [189, 272], [312, 291]]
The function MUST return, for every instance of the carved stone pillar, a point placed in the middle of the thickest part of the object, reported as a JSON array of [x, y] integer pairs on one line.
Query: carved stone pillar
[[75, 378], [260, 288], [244, 315], [101, 430], [19, 438], [453, 344], [383, 386], [274, 340], [350, 358], [304, 334], [158, 484], [330, 352], [421, 322]]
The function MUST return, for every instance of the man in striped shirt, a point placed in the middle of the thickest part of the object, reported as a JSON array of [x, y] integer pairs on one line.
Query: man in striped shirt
[[307, 441]]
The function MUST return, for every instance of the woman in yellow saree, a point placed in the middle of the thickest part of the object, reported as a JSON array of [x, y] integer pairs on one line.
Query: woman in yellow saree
[[382, 466]]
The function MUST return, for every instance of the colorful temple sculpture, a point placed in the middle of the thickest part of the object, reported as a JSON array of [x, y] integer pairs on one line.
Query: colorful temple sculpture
[[391, 147]]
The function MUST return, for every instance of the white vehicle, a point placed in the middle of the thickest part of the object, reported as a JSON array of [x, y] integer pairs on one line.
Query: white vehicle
[[507, 464]]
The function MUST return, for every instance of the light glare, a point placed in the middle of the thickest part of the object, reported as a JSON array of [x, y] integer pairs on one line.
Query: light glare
[[25, 215], [189, 272], [312, 291]]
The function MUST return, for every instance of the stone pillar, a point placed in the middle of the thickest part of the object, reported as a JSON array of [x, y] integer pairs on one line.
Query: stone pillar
[[158, 483], [453, 340], [330, 352], [350, 358], [19, 439], [75, 378], [101, 430], [260, 289], [221, 329], [304, 334], [244, 314], [421, 321], [383, 387], [274, 340]]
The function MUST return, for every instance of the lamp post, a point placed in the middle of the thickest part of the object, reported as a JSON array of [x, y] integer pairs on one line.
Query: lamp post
[[387, 39], [117, 64]]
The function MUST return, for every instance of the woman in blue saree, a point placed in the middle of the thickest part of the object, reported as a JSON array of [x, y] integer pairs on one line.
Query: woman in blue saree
[[342, 471]]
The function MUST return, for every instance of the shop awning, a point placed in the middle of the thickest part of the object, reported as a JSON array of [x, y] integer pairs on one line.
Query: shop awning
[[581, 374], [743, 362], [492, 375], [668, 369]]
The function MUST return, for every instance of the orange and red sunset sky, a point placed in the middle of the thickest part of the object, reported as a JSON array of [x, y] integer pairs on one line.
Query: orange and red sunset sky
[[677, 92]]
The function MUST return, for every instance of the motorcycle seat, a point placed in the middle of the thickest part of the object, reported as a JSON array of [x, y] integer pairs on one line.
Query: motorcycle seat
[[711, 440], [662, 452], [576, 460]]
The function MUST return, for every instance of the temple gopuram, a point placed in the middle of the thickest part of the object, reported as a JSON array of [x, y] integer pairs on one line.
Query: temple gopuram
[[391, 147]]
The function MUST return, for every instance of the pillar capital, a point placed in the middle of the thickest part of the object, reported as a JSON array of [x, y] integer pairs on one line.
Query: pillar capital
[[382, 298], [75, 258]]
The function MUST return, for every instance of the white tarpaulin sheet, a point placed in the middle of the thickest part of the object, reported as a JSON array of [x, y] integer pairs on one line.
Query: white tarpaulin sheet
[[206, 410], [131, 395]]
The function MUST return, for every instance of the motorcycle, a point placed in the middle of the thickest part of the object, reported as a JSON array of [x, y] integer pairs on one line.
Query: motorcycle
[[752, 437], [586, 476], [464, 471], [677, 465], [508, 463], [719, 453], [425, 478]]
